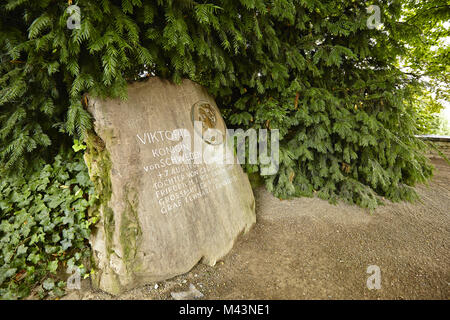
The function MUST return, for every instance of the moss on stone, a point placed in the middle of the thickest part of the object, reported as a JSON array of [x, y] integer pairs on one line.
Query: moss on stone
[[99, 165], [130, 231]]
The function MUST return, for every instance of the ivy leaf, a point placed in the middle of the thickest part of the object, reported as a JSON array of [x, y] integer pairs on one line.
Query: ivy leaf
[[48, 284], [34, 258], [53, 200], [52, 266], [21, 249], [10, 272], [55, 237], [83, 179], [66, 244]]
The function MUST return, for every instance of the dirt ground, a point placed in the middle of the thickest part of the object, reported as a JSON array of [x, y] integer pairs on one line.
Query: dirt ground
[[309, 249]]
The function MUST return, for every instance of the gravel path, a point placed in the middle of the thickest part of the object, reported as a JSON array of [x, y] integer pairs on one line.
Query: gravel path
[[307, 248]]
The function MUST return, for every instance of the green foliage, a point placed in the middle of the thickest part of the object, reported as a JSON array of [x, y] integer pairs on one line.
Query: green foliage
[[425, 30], [426, 110], [78, 146], [310, 68], [44, 227], [443, 126]]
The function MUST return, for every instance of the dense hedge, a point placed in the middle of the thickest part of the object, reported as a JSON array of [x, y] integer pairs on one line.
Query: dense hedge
[[310, 68]]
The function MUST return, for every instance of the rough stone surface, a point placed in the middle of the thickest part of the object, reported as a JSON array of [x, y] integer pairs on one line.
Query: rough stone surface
[[159, 219]]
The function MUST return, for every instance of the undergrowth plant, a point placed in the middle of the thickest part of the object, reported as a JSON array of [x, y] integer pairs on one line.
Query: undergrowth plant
[[44, 227]]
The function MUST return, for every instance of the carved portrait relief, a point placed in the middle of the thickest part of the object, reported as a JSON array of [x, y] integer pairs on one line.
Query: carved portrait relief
[[210, 118]]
